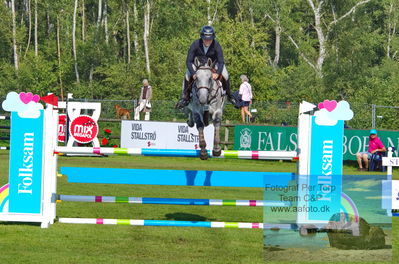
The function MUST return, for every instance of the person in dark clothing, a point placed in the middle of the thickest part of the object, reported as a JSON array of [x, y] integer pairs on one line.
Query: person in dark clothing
[[202, 49]]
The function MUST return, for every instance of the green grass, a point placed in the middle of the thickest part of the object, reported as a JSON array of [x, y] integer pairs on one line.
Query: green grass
[[65, 243]]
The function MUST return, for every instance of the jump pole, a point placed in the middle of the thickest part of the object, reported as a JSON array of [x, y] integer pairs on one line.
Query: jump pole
[[171, 201], [135, 222], [231, 154]]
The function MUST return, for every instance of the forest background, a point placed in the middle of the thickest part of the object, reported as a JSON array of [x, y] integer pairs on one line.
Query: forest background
[[292, 50]]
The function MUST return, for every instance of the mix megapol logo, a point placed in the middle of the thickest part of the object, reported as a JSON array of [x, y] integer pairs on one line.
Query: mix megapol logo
[[245, 139], [61, 127], [83, 129]]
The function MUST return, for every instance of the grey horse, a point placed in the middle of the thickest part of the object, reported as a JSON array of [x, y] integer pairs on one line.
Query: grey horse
[[206, 105]]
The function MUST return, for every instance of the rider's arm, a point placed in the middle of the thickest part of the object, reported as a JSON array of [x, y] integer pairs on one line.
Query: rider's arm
[[220, 57], [190, 58]]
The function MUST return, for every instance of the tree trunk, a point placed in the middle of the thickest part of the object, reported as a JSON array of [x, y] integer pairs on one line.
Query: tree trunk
[[211, 18], [391, 27], [48, 23], [100, 5], [128, 34], [105, 15], [277, 44], [36, 43], [320, 36], [14, 35], [83, 21], [74, 41], [29, 28], [135, 22], [59, 59], [251, 13], [146, 35]]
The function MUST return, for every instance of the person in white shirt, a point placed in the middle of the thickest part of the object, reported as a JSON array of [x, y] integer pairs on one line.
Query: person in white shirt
[[144, 101], [246, 96]]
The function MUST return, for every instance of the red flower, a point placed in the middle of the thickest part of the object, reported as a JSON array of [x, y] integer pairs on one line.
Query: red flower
[[104, 141], [106, 130], [115, 146]]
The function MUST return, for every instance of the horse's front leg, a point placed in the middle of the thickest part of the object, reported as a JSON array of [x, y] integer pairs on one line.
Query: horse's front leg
[[217, 150], [202, 144]]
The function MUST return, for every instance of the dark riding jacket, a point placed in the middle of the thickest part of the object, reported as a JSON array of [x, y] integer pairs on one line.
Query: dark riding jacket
[[197, 50]]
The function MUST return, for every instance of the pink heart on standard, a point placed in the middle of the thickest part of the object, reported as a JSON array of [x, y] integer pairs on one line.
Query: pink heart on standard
[[36, 98], [330, 105], [320, 106], [25, 97]]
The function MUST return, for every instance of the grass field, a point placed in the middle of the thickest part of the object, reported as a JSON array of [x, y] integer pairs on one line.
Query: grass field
[[65, 243]]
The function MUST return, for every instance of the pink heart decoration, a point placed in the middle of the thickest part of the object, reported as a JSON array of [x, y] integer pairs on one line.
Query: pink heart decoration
[[330, 105], [25, 97], [36, 98], [320, 106]]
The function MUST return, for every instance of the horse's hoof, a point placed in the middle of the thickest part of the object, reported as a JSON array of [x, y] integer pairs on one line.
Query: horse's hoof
[[204, 154], [204, 157], [216, 153], [190, 123]]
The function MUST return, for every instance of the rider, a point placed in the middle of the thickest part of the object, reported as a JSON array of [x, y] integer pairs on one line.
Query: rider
[[202, 49]]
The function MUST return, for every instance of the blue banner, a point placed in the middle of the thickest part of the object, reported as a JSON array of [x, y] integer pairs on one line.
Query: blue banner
[[26, 164]]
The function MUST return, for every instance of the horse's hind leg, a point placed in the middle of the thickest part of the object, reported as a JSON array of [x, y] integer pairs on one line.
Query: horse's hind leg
[[202, 144], [217, 150]]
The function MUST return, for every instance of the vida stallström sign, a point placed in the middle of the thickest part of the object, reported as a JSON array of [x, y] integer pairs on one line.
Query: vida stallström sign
[[286, 138]]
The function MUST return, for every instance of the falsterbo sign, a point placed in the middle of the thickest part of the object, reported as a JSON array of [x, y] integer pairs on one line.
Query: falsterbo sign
[[286, 139]]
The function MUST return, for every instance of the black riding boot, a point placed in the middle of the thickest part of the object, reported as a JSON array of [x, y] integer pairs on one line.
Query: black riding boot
[[185, 99], [226, 87]]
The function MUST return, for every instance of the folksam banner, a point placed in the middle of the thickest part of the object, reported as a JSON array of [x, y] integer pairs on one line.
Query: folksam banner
[[285, 138], [325, 179], [25, 186]]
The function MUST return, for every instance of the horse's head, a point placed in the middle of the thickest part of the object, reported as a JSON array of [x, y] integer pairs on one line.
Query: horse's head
[[204, 81]]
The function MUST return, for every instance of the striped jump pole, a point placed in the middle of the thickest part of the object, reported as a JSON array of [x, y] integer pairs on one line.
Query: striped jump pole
[[233, 154], [172, 201], [134, 222], [4, 148], [4, 117]]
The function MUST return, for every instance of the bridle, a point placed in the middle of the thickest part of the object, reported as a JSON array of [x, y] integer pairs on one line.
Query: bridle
[[210, 79], [211, 96]]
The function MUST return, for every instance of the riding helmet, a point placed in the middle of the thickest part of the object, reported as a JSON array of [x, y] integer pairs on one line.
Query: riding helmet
[[207, 32]]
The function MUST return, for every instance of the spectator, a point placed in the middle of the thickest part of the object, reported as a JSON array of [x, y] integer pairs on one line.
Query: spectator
[[375, 145], [246, 96], [144, 101]]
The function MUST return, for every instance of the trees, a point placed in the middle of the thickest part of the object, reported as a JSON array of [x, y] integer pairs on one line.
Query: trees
[[291, 50]]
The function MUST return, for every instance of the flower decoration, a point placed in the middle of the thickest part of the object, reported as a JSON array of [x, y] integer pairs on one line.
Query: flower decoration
[[104, 142]]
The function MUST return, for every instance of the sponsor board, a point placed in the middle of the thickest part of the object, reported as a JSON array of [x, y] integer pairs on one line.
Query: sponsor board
[[275, 138], [61, 127], [83, 129], [162, 135], [25, 189]]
